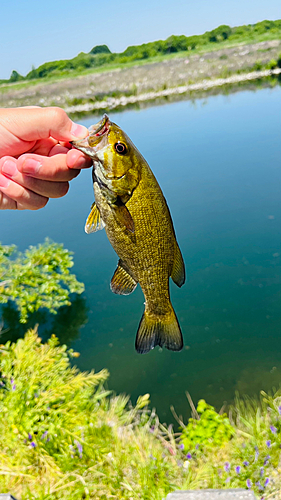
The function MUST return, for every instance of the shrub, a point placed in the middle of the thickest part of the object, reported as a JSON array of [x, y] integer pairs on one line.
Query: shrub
[[207, 428], [37, 278], [100, 49]]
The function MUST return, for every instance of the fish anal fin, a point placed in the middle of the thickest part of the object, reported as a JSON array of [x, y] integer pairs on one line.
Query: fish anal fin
[[178, 271], [162, 330], [94, 221], [124, 217], [122, 282]]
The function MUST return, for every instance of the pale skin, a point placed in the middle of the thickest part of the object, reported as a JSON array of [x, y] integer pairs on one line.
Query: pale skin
[[36, 159]]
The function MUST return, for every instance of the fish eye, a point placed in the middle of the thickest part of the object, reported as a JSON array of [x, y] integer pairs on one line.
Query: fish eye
[[120, 148]]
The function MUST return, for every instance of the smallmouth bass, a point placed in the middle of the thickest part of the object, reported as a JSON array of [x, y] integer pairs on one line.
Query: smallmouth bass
[[131, 206]]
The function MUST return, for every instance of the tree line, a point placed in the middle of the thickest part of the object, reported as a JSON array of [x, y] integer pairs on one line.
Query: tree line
[[100, 55]]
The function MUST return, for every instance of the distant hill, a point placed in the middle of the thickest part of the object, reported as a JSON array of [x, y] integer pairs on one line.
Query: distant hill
[[100, 55]]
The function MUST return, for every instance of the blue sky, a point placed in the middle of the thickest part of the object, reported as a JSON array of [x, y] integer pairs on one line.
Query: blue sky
[[33, 32]]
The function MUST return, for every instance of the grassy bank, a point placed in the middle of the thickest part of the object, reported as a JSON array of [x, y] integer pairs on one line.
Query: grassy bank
[[141, 81], [64, 436]]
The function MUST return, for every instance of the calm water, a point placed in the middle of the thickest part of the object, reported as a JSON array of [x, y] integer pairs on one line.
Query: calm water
[[218, 162]]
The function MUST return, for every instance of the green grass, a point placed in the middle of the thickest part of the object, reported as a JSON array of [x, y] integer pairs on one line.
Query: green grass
[[63, 435]]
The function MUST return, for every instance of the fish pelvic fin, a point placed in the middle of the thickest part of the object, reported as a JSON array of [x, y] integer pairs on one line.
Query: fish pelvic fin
[[122, 282], [159, 330], [94, 221], [178, 271]]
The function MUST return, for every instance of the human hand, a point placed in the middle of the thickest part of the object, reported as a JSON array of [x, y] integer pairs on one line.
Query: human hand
[[36, 159]]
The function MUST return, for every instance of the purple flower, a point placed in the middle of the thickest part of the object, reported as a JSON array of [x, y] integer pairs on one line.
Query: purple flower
[[257, 453], [227, 466], [189, 456], [44, 435], [266, 460], [238, 469], [12, 381], [180, 464], [196, 446], [152, 428], [181, 446], [279, 410], [227, 480], [261, 471], [266, 482], [260, 487], [29, 436], [268, 443], [79, 447], [245, 463], [14, 387], [248, 483], [32, 444], [273, 429]]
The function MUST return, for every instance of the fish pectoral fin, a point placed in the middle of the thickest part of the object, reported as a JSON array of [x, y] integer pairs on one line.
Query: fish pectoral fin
[[122, 282], [178, 271], [123, 217], [94, 221]]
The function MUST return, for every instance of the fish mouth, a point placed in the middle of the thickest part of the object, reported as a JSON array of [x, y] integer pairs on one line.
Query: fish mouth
[[96, 139]]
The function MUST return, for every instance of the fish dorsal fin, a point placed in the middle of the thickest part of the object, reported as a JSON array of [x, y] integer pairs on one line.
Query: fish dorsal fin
[[94, 221], [178, 271], [123, 217], [122, 282]]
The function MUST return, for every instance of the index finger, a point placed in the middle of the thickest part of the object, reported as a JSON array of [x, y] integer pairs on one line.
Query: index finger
[[47, 168], [32, 124]]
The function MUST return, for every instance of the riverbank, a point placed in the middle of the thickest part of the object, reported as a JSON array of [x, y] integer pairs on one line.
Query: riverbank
[[65, 436], [186, 73], [112, 103]]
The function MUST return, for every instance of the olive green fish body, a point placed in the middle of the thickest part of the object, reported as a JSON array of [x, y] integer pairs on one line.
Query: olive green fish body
[[138, 224]]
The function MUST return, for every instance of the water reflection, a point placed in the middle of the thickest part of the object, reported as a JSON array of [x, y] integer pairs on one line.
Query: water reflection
[[66, 324]]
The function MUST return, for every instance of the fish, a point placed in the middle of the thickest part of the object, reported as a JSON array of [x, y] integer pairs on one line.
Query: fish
[[131, 207]]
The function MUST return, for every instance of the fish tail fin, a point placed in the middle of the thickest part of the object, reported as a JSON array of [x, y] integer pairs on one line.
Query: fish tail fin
[[159, 330]]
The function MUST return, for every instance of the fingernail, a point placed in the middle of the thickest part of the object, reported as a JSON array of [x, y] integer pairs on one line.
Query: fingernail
[[79, 130], [30, 166], [4, 182], [9, 168]]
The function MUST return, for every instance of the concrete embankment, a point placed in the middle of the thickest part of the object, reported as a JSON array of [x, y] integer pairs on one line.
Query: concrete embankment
[[112, 103]]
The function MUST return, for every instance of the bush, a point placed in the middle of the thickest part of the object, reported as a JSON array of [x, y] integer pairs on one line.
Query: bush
[[15, 76], [37, 278], [221, 33], [100, 49], [272, 64], [207, 428]]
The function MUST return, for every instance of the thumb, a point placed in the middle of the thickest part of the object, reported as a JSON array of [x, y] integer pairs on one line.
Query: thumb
[[34, 123]]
